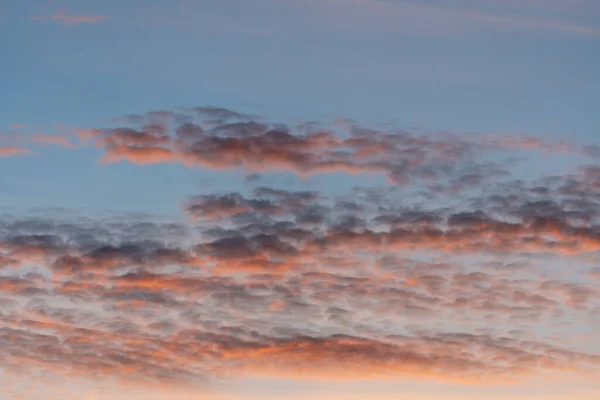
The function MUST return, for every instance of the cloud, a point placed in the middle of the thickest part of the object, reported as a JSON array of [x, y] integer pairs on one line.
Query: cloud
[[53, 139], [450, 276], [267, 200], [10, 151], [300, 285], [66, 19], [220, 139], [432, 18]]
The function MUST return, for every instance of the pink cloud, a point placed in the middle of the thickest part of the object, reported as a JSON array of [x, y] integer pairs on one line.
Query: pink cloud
[[69, 19], [13, 151], [53, 139], [367, 284], [237, 141]]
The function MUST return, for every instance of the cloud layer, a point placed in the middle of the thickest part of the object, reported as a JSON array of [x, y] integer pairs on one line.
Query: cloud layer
[[225, 140], [454, 270]]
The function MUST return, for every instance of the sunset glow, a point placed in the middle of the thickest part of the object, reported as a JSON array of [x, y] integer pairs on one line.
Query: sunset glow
[[300, 199]]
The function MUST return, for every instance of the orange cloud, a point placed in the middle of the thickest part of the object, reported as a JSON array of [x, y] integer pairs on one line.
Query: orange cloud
[[138, 309], [381, 282], [222, 139], [13, 151]]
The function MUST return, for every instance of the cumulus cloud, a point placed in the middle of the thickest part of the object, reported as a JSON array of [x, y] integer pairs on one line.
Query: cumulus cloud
[[221, 139], [296, 284], [464, 272]]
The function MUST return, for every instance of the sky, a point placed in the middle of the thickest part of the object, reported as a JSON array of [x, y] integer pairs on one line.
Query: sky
[[299, 199]]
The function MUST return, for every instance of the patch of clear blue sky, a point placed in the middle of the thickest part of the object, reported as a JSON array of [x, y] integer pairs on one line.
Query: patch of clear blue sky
[[281, 58]]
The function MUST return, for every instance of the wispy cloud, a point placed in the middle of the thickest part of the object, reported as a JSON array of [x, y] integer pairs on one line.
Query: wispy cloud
[[53, 139], [415, 17], [9, 151], [66, 19]]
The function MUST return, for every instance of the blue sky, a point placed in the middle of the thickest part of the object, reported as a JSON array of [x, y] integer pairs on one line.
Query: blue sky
[[307, 56], [305, 59]]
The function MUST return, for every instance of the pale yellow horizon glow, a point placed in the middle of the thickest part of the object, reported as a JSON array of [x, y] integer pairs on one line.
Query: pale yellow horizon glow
[[279, 389]]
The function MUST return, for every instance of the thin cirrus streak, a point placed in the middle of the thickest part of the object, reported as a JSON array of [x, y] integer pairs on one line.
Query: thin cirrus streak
[[434, 18], [66, 19], [8, 151], [455, 270], [53, 139]]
